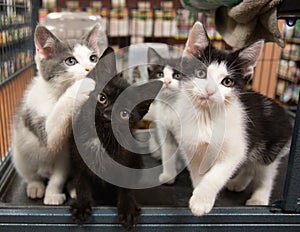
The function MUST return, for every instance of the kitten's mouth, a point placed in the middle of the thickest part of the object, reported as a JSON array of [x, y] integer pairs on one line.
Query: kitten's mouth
[[203, 98], [203, 101], [167, 87], [106, 122], [167, 90]]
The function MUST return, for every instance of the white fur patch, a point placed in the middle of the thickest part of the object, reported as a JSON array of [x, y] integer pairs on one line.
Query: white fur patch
[[82, 54]]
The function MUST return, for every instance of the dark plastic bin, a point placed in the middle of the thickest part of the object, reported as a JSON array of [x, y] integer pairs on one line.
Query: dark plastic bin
[[164, 208]]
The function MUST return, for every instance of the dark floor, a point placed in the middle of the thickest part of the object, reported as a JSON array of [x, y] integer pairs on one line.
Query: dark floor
[[176, 195]]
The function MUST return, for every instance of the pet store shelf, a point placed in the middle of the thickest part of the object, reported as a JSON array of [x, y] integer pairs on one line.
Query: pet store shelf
[[288, 82]]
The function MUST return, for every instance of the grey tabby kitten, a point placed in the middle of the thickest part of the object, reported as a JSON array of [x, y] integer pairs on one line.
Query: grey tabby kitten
[[42, 124]]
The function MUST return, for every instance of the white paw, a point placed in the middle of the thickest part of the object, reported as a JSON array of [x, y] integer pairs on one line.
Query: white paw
[[72, 189], [35, 189], [73, 193], [81, 90], [166, 178], [54, 199], [86, 86], [200, 205], [235, 186], [253, 201]]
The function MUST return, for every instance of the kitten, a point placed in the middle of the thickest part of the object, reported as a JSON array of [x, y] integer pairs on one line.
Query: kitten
[[162, 113], [42, 125], [233, 127], [111, 119]]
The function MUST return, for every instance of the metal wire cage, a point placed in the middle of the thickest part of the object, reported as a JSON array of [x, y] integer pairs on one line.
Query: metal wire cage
[[16, 42]]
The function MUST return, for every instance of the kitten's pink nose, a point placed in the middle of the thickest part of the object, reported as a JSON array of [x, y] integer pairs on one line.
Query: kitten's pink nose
[[87, 69], [210, 92], [167, 81]]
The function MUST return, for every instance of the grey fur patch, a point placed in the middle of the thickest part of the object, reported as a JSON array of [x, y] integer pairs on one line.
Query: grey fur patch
[[36, 125]]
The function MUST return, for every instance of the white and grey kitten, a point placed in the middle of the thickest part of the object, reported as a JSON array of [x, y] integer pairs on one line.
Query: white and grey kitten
[[163, 115], [225, 128], [42, 125]]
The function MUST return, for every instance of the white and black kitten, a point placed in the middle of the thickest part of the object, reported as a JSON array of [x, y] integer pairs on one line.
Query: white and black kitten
[[225, 128], [163, 115], [42, 125], [113, 117]]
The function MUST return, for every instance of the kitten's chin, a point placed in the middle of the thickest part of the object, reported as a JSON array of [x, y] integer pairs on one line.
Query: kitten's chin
[[204, 103], [167, 92], [106, 123]]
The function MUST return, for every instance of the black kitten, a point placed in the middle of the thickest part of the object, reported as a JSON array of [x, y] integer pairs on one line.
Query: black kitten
[[101, 146]]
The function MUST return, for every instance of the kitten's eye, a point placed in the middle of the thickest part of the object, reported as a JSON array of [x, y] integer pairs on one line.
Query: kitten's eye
[[200, 74], [228, 82], [70, 61], [160, 75], [124, 114], [94, 58], [176, 75], [102, 99]]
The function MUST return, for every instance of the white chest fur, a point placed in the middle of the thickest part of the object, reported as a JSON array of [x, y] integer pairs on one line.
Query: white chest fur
[[210, 132]]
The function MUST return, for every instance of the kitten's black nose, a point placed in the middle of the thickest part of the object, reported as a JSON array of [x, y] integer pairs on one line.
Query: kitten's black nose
[[107, 114]]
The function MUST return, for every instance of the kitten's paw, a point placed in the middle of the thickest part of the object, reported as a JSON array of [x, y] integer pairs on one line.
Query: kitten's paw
[[156, 155], [54, 199], [81, 90], [81, 211], [166, 179], [128, 214], [235, 186], [35, 189], [85, 86], [200, 205], [73, 193], [253, 201], [72, 189]]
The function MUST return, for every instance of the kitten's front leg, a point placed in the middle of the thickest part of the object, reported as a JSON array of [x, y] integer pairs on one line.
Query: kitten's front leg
[[58, 123], [243, 178], [54, 191], [168, 155], [128, 209], [81, 207], [35, 189], [210, 184]]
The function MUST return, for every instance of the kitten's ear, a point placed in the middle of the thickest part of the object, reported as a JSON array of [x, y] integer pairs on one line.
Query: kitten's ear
[[197, 41], [249, 57], [109, 61], [106, 68], [147, 91], [46, 42], [154, 59], [93, 37]]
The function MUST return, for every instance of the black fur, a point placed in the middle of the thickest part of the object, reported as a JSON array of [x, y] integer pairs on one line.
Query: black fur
[[90, 187], [267, 123]]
